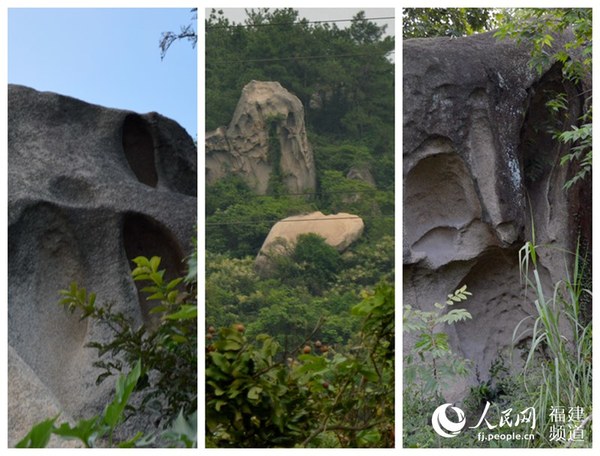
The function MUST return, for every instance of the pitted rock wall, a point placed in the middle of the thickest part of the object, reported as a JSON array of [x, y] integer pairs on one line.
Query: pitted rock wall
[[479, 171], [89, 188]]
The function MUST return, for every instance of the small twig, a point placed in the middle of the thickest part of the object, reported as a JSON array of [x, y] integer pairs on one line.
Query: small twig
[[314, 331], [323, 425]]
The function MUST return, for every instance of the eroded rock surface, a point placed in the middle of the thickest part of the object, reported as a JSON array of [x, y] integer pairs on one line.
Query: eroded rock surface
[[266, 136], [89, 188], [339, 230], [479, 170]]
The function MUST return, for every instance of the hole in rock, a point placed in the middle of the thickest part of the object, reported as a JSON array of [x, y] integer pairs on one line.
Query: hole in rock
[[139, 149], [144, 236]]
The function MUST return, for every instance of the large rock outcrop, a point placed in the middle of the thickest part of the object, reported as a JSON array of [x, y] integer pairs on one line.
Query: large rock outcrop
[[339, 231], [479, 170], [89, 188], [266, 138]]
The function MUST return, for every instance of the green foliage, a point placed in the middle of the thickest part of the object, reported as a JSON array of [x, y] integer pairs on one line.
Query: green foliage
[[313, 263], [224, 193], [276, 185], [256, 400], [242, 227], [88, 431], [251, 401], [431, 363], [565, 359], [430, 22], [351, 88], [340, 157], [169, 351], [39, 435], [161, 361], [366, 264], [580, 139], [540, 27]]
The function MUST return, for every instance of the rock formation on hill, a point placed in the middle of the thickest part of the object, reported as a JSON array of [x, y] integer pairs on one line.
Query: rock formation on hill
[[265, 140], [479, 170], [89, 188], [338, 230]]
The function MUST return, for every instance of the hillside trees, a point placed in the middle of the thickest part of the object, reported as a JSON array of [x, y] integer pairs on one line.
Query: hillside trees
[[274, 340], [344, 77]]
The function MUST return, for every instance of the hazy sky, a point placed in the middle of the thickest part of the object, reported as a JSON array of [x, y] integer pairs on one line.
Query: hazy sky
[[106, 56], [322, 14]]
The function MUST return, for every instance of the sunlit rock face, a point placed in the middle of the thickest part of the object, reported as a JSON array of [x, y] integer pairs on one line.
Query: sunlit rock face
[[266, 135], [338, 230], [479, 171], [89, 188]]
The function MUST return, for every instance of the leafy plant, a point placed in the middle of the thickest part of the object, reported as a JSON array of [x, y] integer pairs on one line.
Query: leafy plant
[[436, 363], [428, 22], [565, 359], [540, 28], [319, 397], [169, 352], [88, 431]]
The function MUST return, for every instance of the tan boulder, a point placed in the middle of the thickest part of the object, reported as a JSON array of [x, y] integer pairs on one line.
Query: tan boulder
[[338, 230]]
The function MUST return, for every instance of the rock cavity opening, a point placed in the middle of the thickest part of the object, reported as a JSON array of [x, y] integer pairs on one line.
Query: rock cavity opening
[[138, 146], [144, 236]]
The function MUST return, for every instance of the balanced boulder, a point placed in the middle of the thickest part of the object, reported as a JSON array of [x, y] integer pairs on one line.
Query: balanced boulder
[[338, 230]]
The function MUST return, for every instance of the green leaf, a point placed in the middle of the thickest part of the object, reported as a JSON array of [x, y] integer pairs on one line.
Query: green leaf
[[173, 283], [185, 312], [157, 277], [368, 437], [220, 361], [39, 435], [183, 430], [154, 263], [158, 309], [113, 412], [132, 442], [158, 296], [254, 393], [141, 261], [87, 431]]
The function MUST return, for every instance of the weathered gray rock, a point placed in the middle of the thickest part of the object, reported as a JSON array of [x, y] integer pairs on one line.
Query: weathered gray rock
[[29, 402], [265, 109], [338, 230], [89, 188], [474, 154]]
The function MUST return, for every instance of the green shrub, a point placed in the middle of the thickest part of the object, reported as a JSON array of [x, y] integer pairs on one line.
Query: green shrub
[[564, 359], [431, 364], [314, 398]]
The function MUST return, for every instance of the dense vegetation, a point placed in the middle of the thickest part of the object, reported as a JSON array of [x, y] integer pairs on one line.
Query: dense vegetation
[[290, 361], [557, 372]]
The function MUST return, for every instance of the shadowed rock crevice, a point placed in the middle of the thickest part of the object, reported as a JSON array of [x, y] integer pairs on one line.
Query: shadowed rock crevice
[[144, 236], [138, 146]]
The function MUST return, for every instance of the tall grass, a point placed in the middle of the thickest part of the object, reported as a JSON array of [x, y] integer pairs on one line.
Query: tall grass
[[561, 347]]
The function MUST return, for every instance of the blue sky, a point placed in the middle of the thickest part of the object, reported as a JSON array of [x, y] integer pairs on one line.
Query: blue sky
[[107, 56]]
